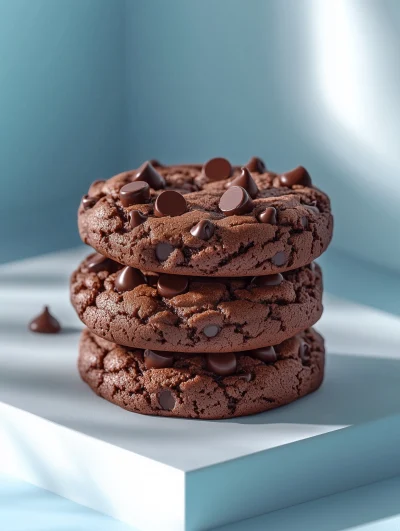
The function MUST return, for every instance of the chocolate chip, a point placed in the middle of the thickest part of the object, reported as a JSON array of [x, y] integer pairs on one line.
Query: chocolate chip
[[152, 279], [268, 280], [203, 230], [156, 162], [128, 278], [304, 222], [299, 176], [163, 250], [136, 218], [211, 330], [304, 352], [150, 175], [246, 181], [256, 165], [246, 376], [265, 354], [157, 360], [172, 285], [235, 201], [279, 259], [313, 207], [222, 364], [268, 216], [134, 193], [88, 202], [166, 400], [45, 323], [217, 169], [170, 203], [97, 262]]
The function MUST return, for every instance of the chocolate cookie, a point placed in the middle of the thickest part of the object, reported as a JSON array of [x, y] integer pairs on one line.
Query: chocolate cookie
[[199, 386], [214, 220], [194, 314]]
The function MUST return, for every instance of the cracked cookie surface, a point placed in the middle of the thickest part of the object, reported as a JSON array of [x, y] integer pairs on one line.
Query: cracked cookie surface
[[299, 232], [188, 389], [244, 313]]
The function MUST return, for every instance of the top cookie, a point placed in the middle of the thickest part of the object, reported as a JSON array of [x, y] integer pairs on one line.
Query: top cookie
[[211, 220]]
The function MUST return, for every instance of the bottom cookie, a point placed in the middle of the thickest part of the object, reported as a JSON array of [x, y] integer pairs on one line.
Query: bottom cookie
[[193, 386]]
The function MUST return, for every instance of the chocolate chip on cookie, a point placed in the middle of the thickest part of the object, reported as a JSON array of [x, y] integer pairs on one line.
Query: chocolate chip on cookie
[[297, 176], [217, 169], [222, 364], [246, 181], [170, 203], [134, 193], [268, 216], [150, 175], [256, 165], [203, 230], [128, 279], [235, 201]]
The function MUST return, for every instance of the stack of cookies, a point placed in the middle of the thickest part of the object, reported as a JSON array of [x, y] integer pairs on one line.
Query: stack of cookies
[[201, 300]]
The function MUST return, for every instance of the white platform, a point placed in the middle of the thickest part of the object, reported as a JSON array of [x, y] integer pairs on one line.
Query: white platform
[[185, 474]]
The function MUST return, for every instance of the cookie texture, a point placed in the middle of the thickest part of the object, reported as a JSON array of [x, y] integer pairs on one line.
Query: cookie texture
[[189, 389], [194, 314], [275, 225]]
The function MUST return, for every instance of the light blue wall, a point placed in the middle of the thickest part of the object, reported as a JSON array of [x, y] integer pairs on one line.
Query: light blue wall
[[61, 110], [295, 81], [91, 87]]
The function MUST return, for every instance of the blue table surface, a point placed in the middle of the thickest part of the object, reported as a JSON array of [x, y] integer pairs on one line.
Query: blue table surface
[[375, 507]]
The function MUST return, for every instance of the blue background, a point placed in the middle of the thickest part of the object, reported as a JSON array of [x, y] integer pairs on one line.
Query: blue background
[[92, 87]]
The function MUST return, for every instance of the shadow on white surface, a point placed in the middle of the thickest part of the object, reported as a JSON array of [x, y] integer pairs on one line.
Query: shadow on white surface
[[357, 389]]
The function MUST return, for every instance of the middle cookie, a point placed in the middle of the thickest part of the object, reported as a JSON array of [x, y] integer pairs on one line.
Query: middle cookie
[[194, 314]]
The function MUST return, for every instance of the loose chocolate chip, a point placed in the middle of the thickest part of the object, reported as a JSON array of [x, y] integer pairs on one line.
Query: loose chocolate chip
[[217, 169], [45, 323], [222, 364], [203, 230], [172, 285], [157, 360], [166, 400], [134, 193], [170, 203], [268, 280], [304, 352], [299, 176], [279, 259], [235, 201], [246, 181], [150, 175], [304, 222], [163, 250], [128, 278], [256, 165], [266, 354], [97, 262], [211, 330], [88, 202], [268, 216], [136, 218]]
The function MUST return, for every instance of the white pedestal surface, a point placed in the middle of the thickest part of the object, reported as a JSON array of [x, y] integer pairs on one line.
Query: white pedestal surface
[[176, 474]]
